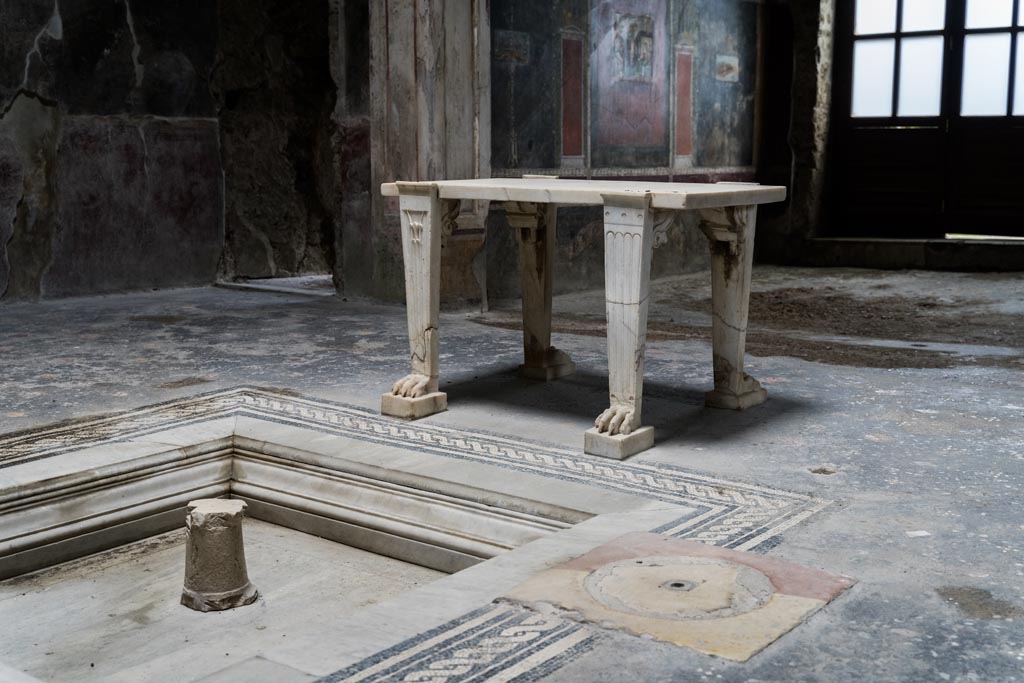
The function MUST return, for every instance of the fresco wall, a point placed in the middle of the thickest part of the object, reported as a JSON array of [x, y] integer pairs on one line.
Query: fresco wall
[[624, 87], [660, 89], [657, 89], [629, 83]]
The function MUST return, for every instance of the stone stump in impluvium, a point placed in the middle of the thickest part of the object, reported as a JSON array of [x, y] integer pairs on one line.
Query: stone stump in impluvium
[[215, 573]]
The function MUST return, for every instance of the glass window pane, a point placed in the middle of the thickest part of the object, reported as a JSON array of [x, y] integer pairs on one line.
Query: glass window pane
[[924, 15], [921, 76], [872, 77], [989, 13], [875, 16], [1020, 15], [986, 75], [1018, 88]]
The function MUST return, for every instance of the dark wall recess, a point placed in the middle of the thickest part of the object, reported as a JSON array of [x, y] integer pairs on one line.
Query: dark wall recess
[[275, 97]]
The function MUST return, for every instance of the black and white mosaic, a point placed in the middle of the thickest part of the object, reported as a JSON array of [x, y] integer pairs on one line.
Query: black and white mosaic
[[494, 643], [498, 642]]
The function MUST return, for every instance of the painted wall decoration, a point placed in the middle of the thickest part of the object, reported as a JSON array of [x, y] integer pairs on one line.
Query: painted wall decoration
[[723, 34], [684, 106], [511, 47], [727, 68], [666, 87], [629, 83], [526, 84], [633, 48], [572, 99]]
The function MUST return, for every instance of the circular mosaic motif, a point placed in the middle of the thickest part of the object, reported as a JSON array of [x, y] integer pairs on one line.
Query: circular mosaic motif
[[679, 588]]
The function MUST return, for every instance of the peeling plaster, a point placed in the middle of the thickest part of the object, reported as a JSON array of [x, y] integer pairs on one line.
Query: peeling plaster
[[140, 70], [54, 28]]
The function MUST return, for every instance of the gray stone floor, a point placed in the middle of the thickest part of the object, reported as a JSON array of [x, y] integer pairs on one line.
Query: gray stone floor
[[928, 462]]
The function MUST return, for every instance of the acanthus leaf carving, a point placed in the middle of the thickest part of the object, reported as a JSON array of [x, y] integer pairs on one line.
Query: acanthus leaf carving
[[663, 221], [450, 210]]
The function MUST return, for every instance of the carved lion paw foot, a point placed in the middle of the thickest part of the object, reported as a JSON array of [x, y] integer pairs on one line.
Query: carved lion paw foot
[[615, 420], [412, 386]]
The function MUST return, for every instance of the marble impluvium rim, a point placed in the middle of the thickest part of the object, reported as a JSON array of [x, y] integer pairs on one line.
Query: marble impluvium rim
[[543, 505], [733, 514]]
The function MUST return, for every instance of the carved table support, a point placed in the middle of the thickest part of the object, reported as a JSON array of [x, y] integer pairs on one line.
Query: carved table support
[[628, 245], [534, 226], [638, 216], [423, 216], [731, 234]]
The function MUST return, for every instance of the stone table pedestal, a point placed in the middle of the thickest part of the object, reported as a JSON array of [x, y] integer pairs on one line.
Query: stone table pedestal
[[637, 217]]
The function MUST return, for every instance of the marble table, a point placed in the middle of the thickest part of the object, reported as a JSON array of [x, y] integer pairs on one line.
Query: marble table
[[637, 215]]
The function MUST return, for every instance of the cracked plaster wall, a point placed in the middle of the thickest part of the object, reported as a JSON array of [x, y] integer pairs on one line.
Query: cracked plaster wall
[[150, 144], [280, 142], [109, 154]]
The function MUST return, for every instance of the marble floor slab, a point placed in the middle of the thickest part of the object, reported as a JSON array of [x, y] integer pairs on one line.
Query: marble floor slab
[[116, 615], [714, 600]]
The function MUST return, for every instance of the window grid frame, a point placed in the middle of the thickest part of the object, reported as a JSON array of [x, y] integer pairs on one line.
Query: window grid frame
[[954, 29], [897, 37]]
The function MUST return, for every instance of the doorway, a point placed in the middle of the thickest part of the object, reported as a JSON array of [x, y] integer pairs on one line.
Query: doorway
[[928, 119]]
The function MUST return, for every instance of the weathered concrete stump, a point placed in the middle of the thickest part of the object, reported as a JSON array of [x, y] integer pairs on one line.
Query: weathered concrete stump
[[215, 574]]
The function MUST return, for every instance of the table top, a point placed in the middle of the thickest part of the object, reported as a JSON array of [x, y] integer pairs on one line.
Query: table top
[[592, 192]]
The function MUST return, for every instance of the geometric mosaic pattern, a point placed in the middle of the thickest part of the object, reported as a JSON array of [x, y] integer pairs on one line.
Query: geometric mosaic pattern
[[730, 514], [496, 642]]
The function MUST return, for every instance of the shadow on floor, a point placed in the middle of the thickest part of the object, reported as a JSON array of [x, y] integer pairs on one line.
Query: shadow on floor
[[677, 412]]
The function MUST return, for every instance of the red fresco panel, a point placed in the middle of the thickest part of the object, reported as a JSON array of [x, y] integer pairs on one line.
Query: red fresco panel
[[572, 97], [630, 86], [684, 103]]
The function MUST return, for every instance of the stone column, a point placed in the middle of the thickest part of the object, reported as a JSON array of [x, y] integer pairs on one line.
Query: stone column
[[215, 573]]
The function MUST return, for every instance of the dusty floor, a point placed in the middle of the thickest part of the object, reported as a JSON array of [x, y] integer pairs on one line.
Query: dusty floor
[[897, 394], [889, 319]]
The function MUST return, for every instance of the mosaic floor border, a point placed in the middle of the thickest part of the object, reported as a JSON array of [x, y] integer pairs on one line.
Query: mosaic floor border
[[732, 514]]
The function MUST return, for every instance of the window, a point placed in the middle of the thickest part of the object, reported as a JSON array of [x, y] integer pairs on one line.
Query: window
[[992, 58], [928, 118], [898, 58]]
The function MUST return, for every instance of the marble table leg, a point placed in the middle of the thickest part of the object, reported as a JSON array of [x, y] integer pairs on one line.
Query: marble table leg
[[422, 213], [731, 234], [628, 244], [534, 226]]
